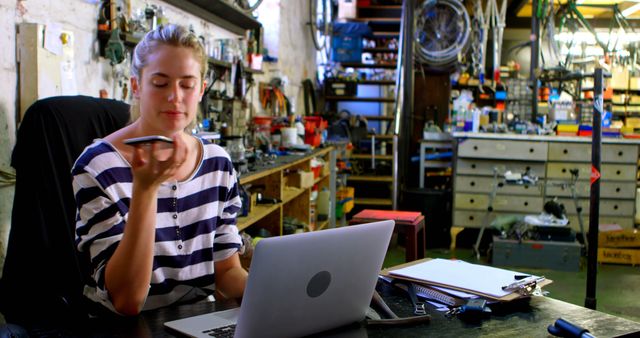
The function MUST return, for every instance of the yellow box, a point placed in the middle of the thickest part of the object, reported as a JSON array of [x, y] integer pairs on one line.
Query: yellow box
[[568, 128], [301, 179], [634, 83], [633, 122], [619, 78], [628, 238], [619, 256]]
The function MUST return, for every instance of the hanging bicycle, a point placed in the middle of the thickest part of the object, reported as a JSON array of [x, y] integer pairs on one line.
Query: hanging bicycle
[[248, 6], [320, 24], [442, 32]]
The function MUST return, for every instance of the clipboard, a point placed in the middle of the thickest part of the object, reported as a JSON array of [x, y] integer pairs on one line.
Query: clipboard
[[465, 284]]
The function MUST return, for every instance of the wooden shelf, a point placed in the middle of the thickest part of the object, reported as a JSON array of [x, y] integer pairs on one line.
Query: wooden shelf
[[359, 99], [295, 201], [383, 7], [379, 50], [384, 136], [373, 201], [386, 34], [289, 193], [322, 225], [378, 118], [257, 213], [369, 178], [219, 12], [369, 156], [377, 20], [368, 65]]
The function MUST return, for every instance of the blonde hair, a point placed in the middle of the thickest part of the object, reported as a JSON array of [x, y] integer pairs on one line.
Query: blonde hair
[[171, 35]]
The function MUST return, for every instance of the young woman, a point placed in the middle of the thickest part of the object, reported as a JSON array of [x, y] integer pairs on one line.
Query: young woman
[[157, 221]]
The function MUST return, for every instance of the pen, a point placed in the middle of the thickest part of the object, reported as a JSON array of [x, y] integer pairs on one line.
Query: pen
[[522, 283]]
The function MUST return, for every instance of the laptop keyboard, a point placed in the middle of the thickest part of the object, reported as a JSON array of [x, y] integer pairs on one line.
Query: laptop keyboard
[[221, 332]]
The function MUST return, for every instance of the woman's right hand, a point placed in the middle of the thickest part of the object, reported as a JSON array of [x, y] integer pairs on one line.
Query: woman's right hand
[[149, 170]]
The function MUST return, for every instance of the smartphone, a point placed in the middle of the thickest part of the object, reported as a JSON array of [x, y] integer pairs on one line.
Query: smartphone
[[147, 140]]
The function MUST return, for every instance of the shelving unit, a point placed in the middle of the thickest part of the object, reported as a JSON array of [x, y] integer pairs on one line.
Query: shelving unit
[[219, 12], [131, 41], [375, 174], [295, 201]]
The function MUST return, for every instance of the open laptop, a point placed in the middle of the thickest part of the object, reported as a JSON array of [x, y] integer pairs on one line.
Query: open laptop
[[303, 284]]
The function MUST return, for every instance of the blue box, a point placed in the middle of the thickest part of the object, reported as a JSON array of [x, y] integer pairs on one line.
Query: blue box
[[346, 48]]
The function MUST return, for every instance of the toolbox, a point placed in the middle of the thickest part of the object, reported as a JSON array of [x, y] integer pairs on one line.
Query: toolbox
[[554, 255]]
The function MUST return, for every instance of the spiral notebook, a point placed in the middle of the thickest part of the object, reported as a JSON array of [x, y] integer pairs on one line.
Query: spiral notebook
[[433, 293]]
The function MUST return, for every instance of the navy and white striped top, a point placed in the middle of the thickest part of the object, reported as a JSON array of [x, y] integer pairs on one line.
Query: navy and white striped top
[[195, 226]]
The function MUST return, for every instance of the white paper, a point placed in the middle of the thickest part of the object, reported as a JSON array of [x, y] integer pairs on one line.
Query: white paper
[[52, 40], [460, 274], [68, 78]]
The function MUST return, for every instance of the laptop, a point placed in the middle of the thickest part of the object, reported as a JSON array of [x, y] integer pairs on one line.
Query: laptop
[[302, 284]]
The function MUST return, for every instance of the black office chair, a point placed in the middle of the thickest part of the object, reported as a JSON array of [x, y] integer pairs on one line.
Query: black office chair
[[43, 277]]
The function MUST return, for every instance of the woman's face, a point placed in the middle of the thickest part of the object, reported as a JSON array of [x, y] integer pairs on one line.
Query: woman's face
[[168, 91]]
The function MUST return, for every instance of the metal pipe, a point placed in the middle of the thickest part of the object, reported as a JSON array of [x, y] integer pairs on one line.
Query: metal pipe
[[535, 45], [594, 198]]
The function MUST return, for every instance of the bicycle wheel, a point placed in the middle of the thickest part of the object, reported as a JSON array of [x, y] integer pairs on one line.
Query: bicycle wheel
[[442, 32], [320, 23]]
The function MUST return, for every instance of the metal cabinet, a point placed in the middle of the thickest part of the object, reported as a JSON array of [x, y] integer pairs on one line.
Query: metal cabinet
[[482, 159]]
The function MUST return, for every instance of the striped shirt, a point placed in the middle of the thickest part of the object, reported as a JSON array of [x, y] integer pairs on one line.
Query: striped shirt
[[195, 224]]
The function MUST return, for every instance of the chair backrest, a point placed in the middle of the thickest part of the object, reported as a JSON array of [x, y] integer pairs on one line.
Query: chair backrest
[[43, 277]]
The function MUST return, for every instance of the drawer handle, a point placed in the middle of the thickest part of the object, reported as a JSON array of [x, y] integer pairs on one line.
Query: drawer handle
[[473, 166], [531, 150], [475, 147], [618, 189], [565, 151], [620, 153], [564, 170], [618, 172], [615, 207], [527, 168], [526, 204], [471, 218], [472, 183], [471, 201], [526, 187]]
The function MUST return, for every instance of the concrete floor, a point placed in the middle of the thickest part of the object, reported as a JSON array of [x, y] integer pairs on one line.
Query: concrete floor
[[617, 286]]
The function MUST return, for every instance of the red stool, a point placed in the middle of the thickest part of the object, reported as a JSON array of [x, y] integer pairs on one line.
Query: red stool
[[409, 224]]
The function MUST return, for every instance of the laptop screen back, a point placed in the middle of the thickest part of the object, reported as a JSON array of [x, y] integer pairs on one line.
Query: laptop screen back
[[306, 283]]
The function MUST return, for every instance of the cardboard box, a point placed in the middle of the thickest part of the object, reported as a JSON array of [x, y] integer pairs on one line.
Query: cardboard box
[[301, 179], [628, 238], [619, 256]]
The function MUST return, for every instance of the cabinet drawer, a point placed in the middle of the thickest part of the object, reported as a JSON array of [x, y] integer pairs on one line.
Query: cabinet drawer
[[622, 208], [525, 204], [608, 189], [581, 152], [483, 184], [623, 190], [624, 222], [475, 219], [619, 172], [610, 172], [485, 167], [503, 149]]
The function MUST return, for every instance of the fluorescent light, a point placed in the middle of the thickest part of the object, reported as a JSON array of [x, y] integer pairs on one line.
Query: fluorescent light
[[631, 10]]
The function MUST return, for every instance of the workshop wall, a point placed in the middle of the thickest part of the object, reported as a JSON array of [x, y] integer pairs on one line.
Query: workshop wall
[[94, 73]]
